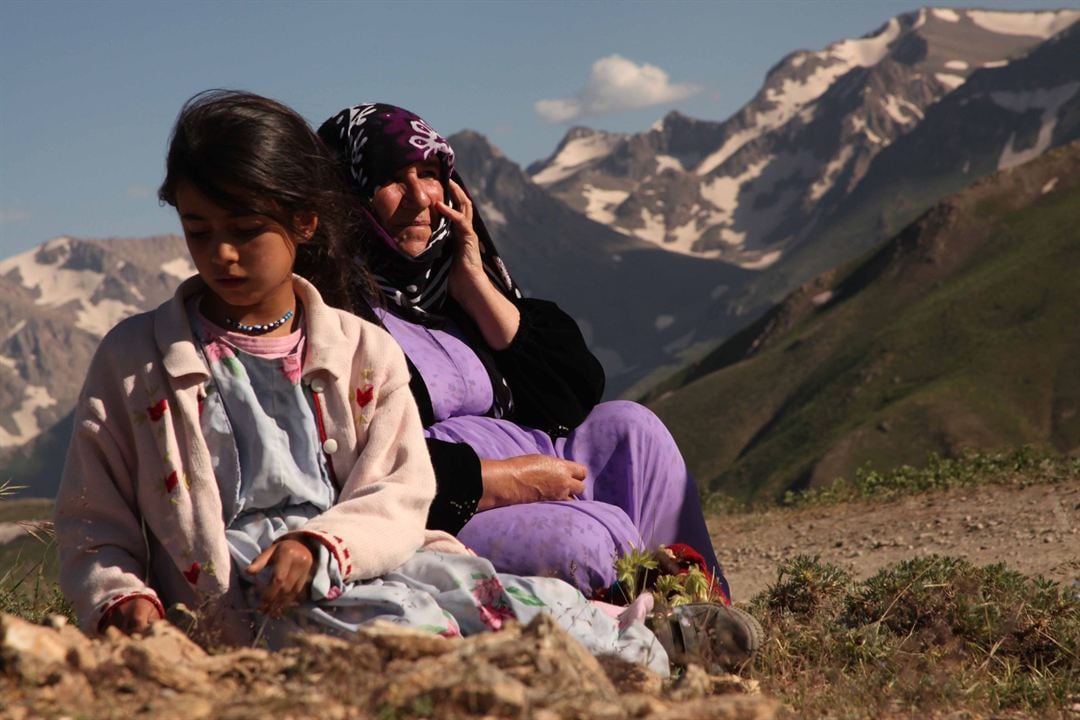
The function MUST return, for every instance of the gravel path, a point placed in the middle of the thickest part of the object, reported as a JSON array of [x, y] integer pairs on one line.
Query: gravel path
[[1035, 530]]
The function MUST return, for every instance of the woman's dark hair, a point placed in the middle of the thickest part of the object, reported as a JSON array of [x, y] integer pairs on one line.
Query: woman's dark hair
[[253, 154]]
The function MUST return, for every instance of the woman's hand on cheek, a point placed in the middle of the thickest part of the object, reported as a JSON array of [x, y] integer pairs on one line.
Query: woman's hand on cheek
[[293, 566], [497, 317], [467, 274], [133, 616]]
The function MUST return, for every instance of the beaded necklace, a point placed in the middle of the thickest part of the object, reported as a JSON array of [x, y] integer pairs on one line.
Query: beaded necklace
[[259, 329]]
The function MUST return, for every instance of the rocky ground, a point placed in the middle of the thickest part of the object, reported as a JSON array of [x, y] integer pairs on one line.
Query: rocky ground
[[1034, 529], [530, 672], [388, 673]]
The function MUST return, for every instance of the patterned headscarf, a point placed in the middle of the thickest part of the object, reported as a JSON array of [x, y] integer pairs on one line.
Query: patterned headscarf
[[376, 140]]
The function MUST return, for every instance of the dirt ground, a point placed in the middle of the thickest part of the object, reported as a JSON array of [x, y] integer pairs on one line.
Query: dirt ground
[[1035, 530]]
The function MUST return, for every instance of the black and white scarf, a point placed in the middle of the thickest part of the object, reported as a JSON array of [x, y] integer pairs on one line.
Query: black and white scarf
[[376, 140]]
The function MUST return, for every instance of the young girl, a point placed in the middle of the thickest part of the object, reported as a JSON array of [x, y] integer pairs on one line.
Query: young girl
[[254, 453]]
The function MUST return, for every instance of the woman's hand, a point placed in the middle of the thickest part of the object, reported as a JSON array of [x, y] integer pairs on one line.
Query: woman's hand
[[294, 567], [133, 616], [469, 285], [529, 478]]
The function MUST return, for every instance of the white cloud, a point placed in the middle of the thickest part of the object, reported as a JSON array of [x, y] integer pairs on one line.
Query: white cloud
[[615, 84]]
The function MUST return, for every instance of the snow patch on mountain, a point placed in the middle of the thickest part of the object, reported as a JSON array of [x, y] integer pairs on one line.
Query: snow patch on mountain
[[723, 191], [45, 272], [682, 238], [574, 154], [838, 58], [600, 204], [762, 262], [25, 417], [492, 214], [668, 162], [1049, 100], [946, 14], [868, 51], [828, 178], [858, 124], [98, 319], [899, 109], [652, 227], [1036, 24], [181, 268], [13, 331], [55, 285], [733, 143], [949, 80]]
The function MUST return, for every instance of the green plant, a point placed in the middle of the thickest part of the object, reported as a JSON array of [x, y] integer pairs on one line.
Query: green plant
[[1023, 466], [921, 637]]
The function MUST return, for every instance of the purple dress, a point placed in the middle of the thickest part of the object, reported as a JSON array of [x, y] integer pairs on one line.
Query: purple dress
[[638, 492]]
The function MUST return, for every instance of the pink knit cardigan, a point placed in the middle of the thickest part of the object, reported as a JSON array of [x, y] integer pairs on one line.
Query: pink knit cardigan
[[138, 511]]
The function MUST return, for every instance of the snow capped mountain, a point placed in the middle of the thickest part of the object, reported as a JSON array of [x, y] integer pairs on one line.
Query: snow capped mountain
[[749, 188], [56, 301]]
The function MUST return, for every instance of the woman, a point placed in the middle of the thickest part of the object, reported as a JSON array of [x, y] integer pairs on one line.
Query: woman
[[500, 380]]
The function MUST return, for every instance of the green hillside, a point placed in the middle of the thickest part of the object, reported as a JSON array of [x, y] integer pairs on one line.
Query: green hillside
[[961, 332]]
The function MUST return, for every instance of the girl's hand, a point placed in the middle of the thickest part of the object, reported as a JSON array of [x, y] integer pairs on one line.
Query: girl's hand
[[294, 567], [530, 478], [133, 616]]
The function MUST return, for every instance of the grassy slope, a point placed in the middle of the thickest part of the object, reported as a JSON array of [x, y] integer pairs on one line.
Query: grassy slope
[[959, 333]]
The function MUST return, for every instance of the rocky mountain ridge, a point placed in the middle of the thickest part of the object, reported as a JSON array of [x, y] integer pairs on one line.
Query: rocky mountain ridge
[[56, 302], [749, 188]]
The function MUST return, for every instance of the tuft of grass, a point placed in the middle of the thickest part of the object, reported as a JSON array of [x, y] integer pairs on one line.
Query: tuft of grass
[[1023, 466], [28, 585], [922, 637]]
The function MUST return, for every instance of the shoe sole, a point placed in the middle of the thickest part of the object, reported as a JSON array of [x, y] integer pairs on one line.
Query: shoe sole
[[720, 638]]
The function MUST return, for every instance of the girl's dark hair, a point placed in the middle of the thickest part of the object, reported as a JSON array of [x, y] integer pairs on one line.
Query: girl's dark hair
[[253, 154]]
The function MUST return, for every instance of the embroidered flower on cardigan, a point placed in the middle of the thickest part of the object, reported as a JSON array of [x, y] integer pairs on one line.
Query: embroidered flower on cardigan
[[365, 395], [171, 481], [157, 410], [192, 573]]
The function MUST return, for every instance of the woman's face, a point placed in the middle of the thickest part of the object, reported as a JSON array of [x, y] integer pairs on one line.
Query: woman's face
[[404, 206]]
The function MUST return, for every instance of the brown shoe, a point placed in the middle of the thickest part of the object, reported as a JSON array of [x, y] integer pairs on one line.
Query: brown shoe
[[720, 638]]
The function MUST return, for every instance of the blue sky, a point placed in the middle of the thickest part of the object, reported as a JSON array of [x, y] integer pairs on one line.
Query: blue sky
[[89, 90]]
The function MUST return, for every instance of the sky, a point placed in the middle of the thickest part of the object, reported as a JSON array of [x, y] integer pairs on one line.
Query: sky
[[89, 89]]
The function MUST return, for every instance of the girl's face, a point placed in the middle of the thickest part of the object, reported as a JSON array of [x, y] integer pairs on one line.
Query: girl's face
[[404, 206], [245, 258]]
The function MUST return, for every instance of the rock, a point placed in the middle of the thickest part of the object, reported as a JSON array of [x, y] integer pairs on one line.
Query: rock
[[630, 678], [728, 707], [444, 687], [37, 653], [694, 683], [404, 643]]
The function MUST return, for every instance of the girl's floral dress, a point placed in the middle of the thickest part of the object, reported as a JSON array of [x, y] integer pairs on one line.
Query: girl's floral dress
[[259, 423]]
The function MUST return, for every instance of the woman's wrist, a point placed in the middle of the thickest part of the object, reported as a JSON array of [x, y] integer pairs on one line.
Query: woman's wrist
[[497, 318]]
